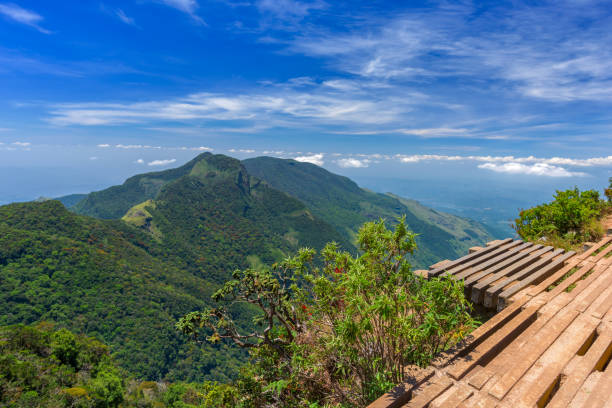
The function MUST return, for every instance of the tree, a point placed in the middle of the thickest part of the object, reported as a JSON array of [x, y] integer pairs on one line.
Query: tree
[[338, 332]]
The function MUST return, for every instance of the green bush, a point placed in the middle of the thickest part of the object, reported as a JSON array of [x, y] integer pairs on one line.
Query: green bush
[[342, 333], [570, 219]]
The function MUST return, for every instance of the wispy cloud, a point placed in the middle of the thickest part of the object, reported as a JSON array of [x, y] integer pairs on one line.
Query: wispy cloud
[[262, 106], [553, 51], [161, 162], [286, 13], [553, 161], [124, 18], [537, 169], [186, 6], [23, 16], [434, 132], [314, 159], [139, 161]]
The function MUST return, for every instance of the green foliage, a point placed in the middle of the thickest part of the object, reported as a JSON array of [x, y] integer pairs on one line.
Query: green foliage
[[107, 280], [126, 284], [343, 204], [45, 368], [342, 333], [31, 375], [570, 219]]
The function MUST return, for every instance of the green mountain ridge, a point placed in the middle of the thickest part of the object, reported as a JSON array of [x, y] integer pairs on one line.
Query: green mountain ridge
[[172, 239], [127, 281], [343, 204]]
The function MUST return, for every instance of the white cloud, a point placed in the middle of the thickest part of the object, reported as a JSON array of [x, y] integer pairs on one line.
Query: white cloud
[[202, 149], [23, 16], [161, 162], [124, 18], [352, 162], [139, 161], [433, 132], [314, 159], [122, 146], [138, 146], [594, 161], [537, 169], [186, 6], [22, 144], [104, 145], [271, 106], [93, 158], [545, 51]]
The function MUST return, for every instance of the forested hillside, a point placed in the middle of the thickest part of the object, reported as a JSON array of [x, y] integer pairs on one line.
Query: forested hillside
[[342, 203], [107, 280], [127, 281]]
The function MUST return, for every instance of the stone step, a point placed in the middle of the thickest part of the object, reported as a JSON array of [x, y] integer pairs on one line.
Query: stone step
[[538, 382], [534, 278], [469, 257], [430, 392], [575, 373], [490, 295], [585, 391], [492, 263], [499, 365], [478, 288], [602, 304], [483, 332], [482, 259], [532, 351], [594, 290], [576, 276], [602, 254], [453, 397], [595, 247], [494, 344], [601, 396], [402, 393], [479, 401]]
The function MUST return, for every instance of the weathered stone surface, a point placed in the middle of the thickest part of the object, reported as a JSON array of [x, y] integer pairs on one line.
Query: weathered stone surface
[[453, 397], [532, 352], [575, 373], [430, 393], [493, 344], [546, 348]]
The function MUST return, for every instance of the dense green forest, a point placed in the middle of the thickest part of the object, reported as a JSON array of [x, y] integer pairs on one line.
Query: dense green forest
[[107, 280], [42, 366], [126, 282], [162, 243]]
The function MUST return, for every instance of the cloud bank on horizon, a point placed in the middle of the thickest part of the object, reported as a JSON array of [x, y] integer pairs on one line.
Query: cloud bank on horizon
[[516, 88]]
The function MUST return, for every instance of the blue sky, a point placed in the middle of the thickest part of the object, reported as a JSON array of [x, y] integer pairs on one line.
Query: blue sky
[[108, 89]]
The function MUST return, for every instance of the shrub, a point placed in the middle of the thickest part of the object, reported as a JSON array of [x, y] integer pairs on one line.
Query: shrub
[[570, 219], [339, 333]]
